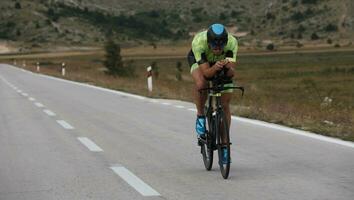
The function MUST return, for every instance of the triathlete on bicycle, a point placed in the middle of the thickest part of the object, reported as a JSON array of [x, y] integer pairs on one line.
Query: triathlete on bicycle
[[212, 50]]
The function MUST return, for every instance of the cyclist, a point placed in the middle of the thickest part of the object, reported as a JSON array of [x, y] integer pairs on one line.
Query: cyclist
[[212, 50]]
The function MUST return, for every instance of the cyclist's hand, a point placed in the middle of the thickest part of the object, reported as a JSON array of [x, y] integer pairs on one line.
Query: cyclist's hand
[[219, 65], [225, 63]]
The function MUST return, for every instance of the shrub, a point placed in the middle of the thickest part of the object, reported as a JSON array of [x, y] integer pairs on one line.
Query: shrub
[[329, 41], [270, 47], [297, 16], [331, 28], [309, 1], [179, 71], [314, 36], [301, 28], [17, 5], [299, 45], [155, 69]]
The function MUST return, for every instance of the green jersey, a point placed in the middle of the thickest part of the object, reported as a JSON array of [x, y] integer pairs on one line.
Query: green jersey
[[203, 53]]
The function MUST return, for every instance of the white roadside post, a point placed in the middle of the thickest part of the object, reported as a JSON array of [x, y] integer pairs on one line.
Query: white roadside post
[[63, 69], [38, 68], [149, 78]]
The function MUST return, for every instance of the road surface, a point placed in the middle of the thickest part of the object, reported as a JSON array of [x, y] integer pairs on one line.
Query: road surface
[[64, 140]]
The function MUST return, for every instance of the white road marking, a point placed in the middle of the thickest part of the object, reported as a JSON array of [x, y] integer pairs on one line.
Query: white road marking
[[94, 87], [65, 124], [192, 109], [49, 112], [154, 101], [166, 104], [24, 94], [39, 105], [89, 144], [19, 91], [31, 99], [178, 106], [134, 181], [295, 131]]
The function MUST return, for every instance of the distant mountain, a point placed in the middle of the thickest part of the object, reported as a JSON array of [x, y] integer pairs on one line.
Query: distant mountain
[[88, 22]]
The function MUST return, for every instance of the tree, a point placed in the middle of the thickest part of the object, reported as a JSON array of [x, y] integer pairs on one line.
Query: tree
[[113, 61]]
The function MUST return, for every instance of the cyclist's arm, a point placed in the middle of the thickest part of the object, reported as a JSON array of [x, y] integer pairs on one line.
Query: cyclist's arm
[[208, 71], [231, 57], [203, 63]]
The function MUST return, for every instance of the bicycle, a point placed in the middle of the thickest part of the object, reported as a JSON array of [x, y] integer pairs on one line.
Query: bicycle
[[216, 121]]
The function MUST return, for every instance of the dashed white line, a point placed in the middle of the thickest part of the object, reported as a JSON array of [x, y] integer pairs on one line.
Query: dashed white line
[[89, 144], [24, 94], [192, 109], [166, 104], [134, 181], [65, 124], [19, 91], [31, 99], [39, 105], [178, 106], [49, 112], [154, 101]]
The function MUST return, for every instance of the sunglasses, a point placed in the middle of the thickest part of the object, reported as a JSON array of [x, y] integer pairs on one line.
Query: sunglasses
[[217, 44]]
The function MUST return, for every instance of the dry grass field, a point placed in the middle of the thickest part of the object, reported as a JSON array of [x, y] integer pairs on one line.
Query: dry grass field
[[311, 91]]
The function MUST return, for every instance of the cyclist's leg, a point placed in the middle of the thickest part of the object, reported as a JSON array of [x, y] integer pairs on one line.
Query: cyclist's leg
[[199, 83], [199, 97], [225, 101]]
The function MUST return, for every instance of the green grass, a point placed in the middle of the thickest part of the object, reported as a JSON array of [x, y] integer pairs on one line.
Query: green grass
[[290, 89]]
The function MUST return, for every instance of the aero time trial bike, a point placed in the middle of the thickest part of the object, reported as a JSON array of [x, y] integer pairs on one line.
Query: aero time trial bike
[[217, 134]]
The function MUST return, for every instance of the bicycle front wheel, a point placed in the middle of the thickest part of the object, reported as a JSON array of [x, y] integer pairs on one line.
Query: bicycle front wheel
[[223, 145], [206, 148]]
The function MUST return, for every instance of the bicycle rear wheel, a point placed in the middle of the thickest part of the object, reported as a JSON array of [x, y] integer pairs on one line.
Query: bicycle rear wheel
[[206, 147], [223, 128]]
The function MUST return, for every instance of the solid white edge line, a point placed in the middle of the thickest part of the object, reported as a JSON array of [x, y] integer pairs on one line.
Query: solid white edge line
[[89, 144], [65, 124], [134, 181], [83, 84], [39, 105], [256, 122], [295, 131], [49, 112]]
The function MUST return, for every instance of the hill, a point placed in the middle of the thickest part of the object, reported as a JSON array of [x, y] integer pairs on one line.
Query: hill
[[38, 23]]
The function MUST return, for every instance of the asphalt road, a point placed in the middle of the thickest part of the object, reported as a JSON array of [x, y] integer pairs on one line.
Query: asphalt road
[[63, 140]]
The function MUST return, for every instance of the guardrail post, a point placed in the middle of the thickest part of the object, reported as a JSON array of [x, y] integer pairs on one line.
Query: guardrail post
[[38, 68], [149, 78], [63, 69]]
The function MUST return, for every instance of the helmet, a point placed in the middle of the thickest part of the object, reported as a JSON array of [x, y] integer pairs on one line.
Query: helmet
[[217, 36]]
